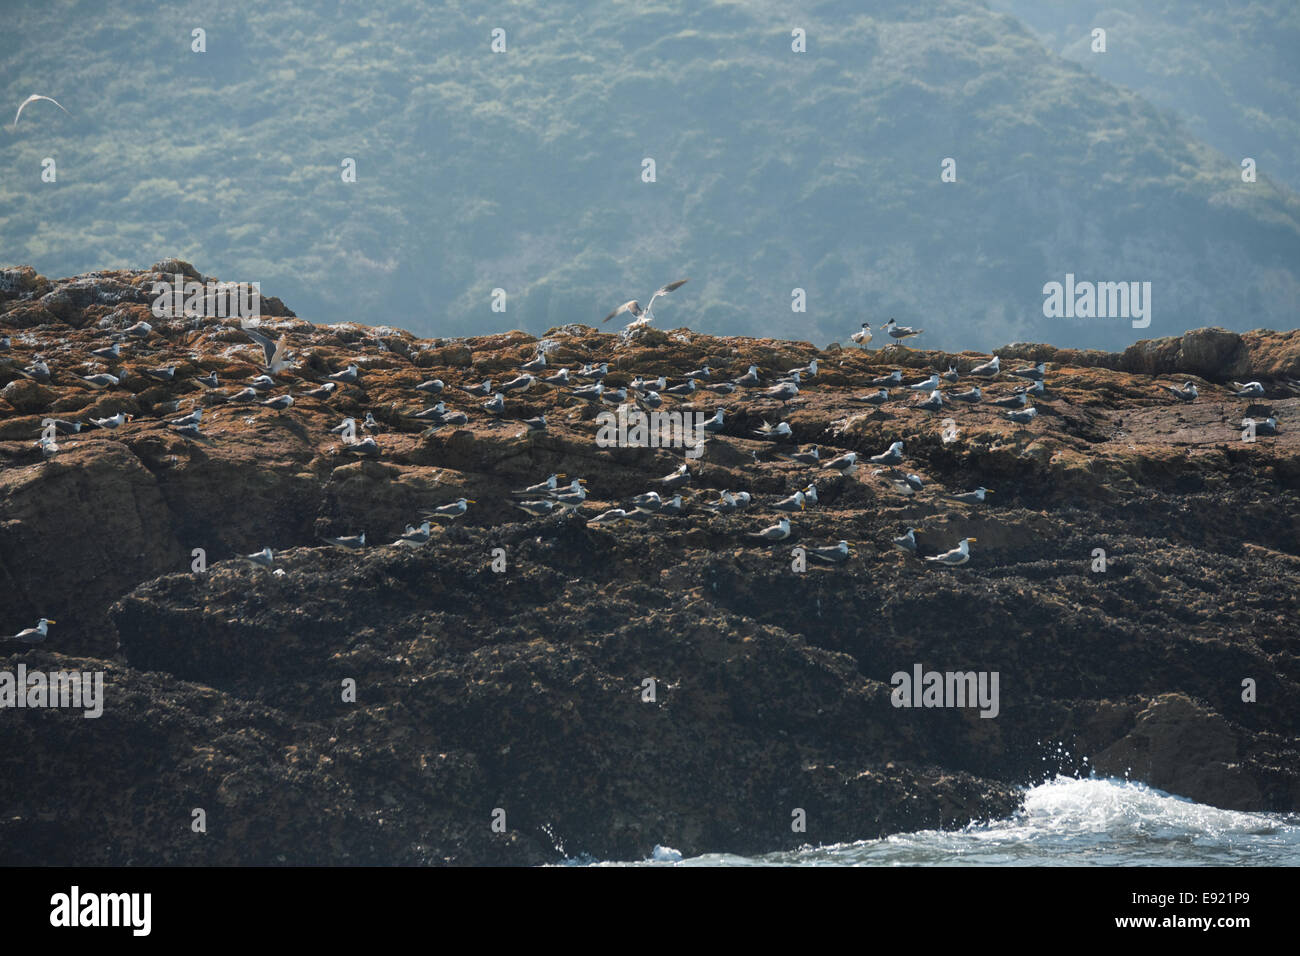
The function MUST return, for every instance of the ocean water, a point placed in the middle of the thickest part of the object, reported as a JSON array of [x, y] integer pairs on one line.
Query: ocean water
[[1064, 822]]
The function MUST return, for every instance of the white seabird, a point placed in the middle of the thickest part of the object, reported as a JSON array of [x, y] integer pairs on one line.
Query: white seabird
[[975, 497], [434, 413], [433, 386], [33, 635], [572, 497], [1267, 426], [538, 509], [644, 316], [453, 510], [680, 476], [648, 503], [783, 392], [347, 376], [414, 537], [811, 456], [32, 99], [262, 559], [482, 390], [725, 504], [900, 483], [347, 543], [100, 380], [780, 430], [925, 385], [276, 353], [777, 532], [905, 542], [795, 502], [1248, 390], [63, 427], [891, 456], [973, 395], [845, 464], [989, 368], [673, 506], [714, 424], [933, 403], [642, 384], [365, 448], [900, 332], [958, 555], [38, 371], [541, 488], [1023, 416], [749, 379], [113, 421], [862, 337], [521, 383], [834, 554], [872, 398], [1035, 372]]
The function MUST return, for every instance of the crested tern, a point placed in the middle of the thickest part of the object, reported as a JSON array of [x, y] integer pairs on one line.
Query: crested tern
[[644, 316], [958, 555]]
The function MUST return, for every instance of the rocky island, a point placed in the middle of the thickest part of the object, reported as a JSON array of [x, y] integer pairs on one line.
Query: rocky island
[[524, 689]]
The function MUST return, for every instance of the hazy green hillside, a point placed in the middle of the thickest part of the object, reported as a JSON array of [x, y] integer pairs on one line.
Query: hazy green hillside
[[1230, 69], [522, 170]]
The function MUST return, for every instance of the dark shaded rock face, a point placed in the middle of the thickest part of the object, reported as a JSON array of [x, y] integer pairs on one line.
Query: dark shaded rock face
[[525, 689]]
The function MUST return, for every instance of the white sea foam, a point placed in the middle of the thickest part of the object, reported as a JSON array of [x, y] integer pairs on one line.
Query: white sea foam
[[1069, 822]]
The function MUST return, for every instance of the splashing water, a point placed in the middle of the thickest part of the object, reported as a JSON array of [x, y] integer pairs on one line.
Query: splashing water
[[1068, 822]]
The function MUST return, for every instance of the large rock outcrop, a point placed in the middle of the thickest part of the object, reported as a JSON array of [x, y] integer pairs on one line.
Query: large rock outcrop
[[524, 688]]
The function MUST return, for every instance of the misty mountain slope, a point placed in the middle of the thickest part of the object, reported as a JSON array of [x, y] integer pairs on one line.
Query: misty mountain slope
[[522, 170], [1230, 70]]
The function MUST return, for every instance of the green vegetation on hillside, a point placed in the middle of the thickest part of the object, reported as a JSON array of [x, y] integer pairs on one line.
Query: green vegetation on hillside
[[522, 170]]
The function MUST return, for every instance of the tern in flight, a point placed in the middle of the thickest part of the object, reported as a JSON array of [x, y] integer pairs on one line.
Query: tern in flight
[[32, 99], [644, 316]]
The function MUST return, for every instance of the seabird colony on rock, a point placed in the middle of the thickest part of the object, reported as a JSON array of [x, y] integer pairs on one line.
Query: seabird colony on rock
[[584, 385]]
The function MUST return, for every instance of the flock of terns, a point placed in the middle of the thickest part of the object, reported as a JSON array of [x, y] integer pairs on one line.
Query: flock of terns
[[586, 384]]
